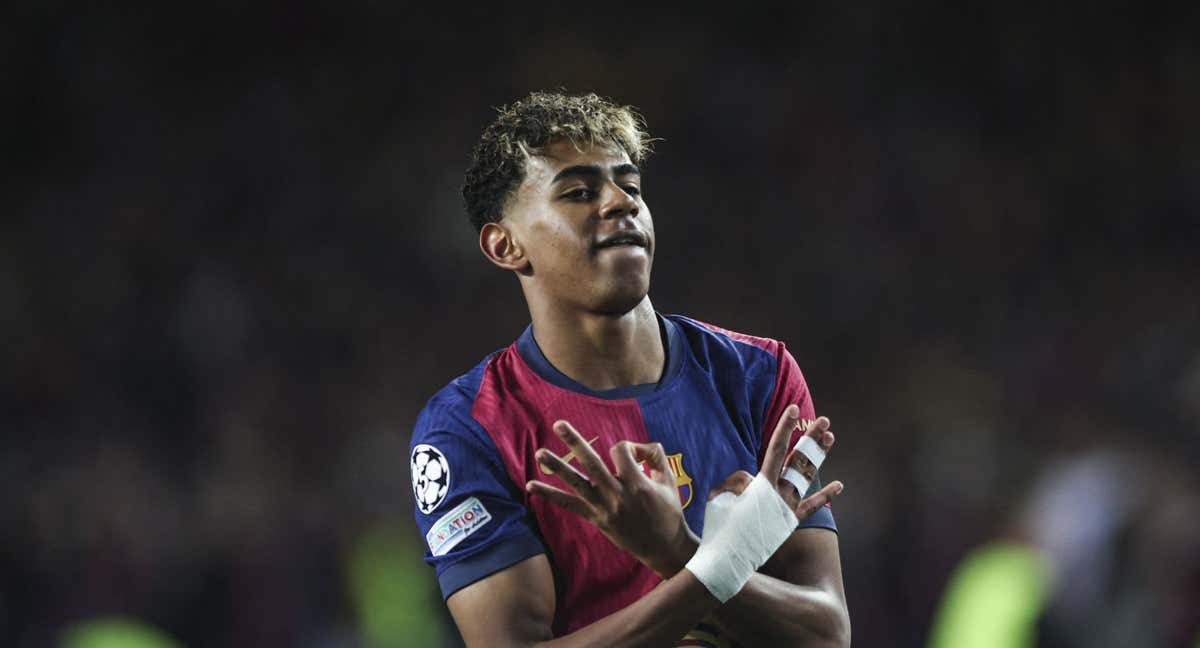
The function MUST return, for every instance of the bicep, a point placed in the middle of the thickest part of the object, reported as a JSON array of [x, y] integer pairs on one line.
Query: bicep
[[512, 607]]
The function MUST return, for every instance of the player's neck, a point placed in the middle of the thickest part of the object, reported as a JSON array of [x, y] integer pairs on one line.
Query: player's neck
[[603, 352]]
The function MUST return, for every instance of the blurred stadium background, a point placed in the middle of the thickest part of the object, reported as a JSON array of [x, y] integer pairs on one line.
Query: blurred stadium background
[[233, 267]]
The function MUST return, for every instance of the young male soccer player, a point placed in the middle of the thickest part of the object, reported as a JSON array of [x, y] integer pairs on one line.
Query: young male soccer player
[[560, 483]]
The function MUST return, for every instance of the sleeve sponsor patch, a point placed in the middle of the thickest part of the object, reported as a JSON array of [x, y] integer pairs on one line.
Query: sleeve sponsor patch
[[430, 477], [455, 526]]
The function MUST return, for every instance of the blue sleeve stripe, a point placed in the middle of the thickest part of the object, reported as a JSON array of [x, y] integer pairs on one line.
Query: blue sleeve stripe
[[501, 555], [822, 518]]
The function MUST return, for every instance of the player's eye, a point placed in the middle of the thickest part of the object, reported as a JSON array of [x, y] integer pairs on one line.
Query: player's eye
[[582, 194], [633, 190]]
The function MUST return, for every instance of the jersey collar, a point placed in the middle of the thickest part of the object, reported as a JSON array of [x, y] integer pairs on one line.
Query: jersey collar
[[528, 347]]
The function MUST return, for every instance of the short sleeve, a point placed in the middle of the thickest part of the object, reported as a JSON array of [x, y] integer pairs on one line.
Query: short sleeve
[[790, 387], [472, 517]]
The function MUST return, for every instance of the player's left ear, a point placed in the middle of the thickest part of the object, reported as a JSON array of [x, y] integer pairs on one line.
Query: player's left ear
[[498, 245]]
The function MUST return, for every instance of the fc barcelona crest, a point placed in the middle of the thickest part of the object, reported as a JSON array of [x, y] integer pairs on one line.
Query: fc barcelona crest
[[683, 481]]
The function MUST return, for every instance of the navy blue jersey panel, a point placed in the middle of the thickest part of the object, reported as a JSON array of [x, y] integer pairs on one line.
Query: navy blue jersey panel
[[501, 554], [466, 503], [743, 374]]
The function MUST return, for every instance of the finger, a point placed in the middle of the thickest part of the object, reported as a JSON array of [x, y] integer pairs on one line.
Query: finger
[[559, 497], [735, 483], [789, 492], [656, 458], [772, 464], [818, 428], [601, 478], [808, 460], [827, 440], [809, 505], [554, 465], [622, 456]]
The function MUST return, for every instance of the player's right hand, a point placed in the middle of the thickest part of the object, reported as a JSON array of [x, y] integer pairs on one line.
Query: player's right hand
[[639, 513], [777, 458]]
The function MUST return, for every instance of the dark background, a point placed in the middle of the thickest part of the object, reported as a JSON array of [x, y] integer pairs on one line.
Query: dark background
[[234, 265]]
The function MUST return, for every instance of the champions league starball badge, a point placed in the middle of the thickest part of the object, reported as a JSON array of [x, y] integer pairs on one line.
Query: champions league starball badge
[[430, 477]]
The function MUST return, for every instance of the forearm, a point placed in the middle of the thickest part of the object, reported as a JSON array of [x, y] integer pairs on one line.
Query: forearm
[[661, 618], [770, 611]]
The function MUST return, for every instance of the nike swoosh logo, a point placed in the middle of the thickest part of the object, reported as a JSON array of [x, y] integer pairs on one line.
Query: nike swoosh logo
[[566, 458]]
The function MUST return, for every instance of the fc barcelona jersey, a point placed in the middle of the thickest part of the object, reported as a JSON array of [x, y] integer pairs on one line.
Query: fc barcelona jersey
[[714, 411]]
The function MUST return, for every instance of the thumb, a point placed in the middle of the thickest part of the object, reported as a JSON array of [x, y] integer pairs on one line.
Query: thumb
[[734, 483]]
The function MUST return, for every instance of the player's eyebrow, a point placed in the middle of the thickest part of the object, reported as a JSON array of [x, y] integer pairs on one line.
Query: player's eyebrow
[[594, 171]]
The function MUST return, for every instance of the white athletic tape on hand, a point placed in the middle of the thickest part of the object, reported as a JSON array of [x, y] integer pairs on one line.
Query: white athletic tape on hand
[[811, 450], [740, 533], [798, 480]]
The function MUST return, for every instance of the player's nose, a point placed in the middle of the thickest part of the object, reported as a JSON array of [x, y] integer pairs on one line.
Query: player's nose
[[617, 202]]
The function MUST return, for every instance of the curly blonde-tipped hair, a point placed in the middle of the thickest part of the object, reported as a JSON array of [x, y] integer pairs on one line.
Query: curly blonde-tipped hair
[[522, 128]]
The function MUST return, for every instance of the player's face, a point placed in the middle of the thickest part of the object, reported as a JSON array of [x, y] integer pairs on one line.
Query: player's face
[[582, 222]]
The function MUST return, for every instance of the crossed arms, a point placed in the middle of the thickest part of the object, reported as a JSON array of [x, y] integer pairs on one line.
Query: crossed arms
[[795, 599]]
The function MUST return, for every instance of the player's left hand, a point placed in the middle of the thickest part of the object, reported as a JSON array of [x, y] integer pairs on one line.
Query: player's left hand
[[778, 457], [639, 513]]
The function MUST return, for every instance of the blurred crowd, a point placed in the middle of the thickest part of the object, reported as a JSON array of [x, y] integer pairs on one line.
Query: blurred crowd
[[234, 266]]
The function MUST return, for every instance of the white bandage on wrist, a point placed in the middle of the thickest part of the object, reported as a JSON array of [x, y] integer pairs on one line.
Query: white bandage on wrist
[[740, 533], [815, 455]]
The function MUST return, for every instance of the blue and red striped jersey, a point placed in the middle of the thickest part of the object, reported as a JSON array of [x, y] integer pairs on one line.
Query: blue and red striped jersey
[[714, 411]]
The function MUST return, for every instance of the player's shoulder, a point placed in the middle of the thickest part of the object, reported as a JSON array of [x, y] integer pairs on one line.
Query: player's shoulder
[[710, 338], [450, 410]]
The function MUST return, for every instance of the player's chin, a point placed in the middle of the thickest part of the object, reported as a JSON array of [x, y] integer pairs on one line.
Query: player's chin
[[628, 268], [622, 297]]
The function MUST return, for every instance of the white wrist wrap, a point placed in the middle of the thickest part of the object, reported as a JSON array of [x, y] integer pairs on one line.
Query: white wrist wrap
[[813, 452], [740, 533]]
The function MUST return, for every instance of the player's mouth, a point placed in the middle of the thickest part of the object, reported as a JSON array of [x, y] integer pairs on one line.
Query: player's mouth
[[632, 238]]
